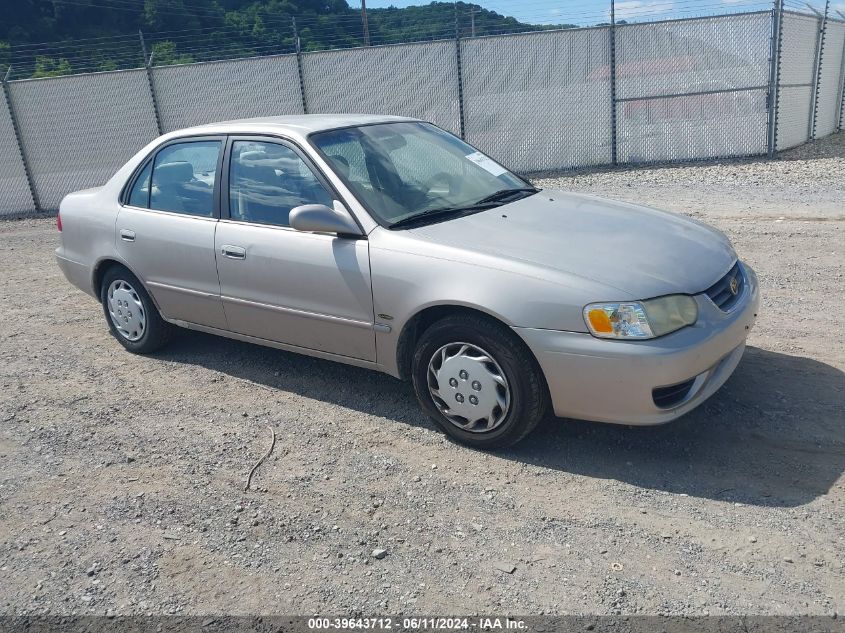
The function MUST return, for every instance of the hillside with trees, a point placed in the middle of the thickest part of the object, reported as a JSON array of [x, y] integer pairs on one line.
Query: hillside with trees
[[54, 37]]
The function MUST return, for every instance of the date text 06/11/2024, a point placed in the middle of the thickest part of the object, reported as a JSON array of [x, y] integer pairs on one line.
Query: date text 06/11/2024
[[419, 623]]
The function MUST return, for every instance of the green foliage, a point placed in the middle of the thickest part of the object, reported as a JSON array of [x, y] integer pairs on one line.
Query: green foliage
[[5, 57], [164, 54], [214, 29], [106, 65], [162, 15], [49, 67], [438, 19]]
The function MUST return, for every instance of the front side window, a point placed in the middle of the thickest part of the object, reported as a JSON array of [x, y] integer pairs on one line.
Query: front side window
[[183, 178], [267, 180], [401, 171]]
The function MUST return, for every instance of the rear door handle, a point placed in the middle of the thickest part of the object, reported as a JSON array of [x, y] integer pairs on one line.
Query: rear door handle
[[127, 236], [233, 252]]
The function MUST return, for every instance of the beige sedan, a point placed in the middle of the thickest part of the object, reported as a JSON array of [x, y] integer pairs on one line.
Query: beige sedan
[[390, 244]]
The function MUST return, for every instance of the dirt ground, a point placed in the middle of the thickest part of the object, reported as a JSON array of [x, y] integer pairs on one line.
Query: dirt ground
[[121, 486]]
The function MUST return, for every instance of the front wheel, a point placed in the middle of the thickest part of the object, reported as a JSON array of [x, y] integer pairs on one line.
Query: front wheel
[[478, 381], [131, 314]]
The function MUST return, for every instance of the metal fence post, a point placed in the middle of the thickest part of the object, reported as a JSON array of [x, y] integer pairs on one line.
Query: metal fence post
[[774, 76], [364, 22], [613, 123], [460, 75], [299, 65], [817, 72], [148, 66], [7, 92]]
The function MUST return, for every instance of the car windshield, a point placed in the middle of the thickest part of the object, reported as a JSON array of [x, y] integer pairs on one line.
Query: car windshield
[[408, 170]]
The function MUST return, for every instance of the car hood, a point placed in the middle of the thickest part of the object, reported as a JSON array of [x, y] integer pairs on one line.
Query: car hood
[[641, 251]]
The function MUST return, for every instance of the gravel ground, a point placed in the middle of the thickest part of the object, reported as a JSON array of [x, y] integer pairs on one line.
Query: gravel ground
[[807, 182], [121, 488]]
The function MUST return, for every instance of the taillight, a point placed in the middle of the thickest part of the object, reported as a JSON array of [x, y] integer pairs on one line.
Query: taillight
[[59, 222]]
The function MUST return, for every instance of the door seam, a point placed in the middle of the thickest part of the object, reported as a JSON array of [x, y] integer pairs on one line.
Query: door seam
[[217, 270]]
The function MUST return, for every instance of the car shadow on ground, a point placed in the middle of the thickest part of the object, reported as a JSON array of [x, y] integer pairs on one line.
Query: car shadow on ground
[[774, 435]]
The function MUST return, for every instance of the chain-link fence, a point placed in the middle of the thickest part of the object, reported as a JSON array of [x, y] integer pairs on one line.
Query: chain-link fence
[[78, 130], [539, 101], [194, 94], [418, 80], [15, 192], [693, 88], [829, 99], [799, 41], [696, 88]]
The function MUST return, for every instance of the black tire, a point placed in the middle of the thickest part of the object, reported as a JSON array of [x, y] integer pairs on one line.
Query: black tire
[[156, 332], [529, 399]]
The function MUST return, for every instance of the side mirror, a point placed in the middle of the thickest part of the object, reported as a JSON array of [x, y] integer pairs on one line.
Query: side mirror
[[318, 218]]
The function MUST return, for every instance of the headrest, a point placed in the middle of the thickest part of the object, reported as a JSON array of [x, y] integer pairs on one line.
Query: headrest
[[180, 173], [257, 172], [252, 155]]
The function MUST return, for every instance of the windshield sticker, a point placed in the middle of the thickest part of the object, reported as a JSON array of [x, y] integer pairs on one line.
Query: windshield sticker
[[486, 163]]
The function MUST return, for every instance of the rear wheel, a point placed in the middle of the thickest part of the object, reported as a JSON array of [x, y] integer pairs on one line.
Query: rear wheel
[[130, 313], [478, 381]]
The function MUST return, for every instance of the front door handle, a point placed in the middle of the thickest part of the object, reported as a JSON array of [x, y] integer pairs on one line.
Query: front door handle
[[233, 252], [127, 236]]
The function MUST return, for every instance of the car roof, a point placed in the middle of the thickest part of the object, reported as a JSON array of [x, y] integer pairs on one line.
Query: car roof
[[299, 124]]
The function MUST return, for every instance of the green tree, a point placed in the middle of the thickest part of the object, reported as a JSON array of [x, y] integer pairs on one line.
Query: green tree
[[95, 36], [164, 54], [161, 15], [49, 67], [5, 57]]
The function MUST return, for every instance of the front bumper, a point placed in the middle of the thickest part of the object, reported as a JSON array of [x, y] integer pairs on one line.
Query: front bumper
[[612, 381]]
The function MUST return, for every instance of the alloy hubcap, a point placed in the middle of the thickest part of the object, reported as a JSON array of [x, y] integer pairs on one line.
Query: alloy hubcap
[[126, 310], [468, 387]]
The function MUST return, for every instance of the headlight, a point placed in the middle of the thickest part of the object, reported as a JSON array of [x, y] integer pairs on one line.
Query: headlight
[[640, 319]]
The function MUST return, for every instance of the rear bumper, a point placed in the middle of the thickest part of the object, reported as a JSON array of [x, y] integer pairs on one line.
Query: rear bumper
[[77, 274], [612, 381]]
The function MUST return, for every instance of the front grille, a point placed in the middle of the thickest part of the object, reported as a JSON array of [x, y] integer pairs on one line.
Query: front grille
[[668, 397], [723, 293]]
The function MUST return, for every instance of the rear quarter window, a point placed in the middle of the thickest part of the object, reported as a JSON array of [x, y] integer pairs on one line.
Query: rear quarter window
[[140, 194]]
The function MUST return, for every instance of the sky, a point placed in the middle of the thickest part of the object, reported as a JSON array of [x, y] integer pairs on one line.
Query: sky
[[587, 12]]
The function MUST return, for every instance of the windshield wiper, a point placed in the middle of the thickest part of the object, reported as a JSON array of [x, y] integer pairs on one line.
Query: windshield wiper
[[487, 202], [505, 193], [429, 214]]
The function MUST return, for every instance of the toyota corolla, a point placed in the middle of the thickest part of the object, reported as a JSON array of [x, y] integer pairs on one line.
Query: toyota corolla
[[388, 243]]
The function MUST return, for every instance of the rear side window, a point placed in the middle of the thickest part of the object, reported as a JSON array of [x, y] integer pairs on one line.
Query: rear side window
[[140, 194], [183, 178]]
